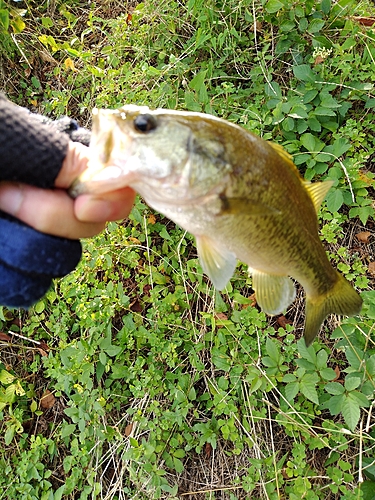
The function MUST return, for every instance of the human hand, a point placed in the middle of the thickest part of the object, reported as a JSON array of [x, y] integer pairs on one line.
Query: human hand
[[52, 211]]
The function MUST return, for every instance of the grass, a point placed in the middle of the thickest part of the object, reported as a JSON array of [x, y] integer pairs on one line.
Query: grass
[[133, 378]]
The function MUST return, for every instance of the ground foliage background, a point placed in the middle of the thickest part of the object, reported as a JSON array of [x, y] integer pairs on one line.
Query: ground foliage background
[[133, 378]]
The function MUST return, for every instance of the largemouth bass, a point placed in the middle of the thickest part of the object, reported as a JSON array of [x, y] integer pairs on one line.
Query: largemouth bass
[[239, 195]]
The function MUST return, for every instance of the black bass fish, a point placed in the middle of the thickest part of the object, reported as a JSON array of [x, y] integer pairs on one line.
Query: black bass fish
[[239, 195]]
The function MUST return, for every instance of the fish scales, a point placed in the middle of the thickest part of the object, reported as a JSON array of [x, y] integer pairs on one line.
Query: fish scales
[[240, 196]]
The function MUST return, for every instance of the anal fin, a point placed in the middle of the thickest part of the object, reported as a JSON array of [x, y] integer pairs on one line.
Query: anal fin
[[273, 293]]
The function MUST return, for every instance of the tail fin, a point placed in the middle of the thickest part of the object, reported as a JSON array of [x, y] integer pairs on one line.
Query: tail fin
[[340, 299]]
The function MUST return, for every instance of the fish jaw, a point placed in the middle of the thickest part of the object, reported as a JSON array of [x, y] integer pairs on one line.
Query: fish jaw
[[122, 157]]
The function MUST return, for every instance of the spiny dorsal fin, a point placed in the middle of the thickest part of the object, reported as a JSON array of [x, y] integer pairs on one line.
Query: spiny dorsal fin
[[318, 191], [283, 153]]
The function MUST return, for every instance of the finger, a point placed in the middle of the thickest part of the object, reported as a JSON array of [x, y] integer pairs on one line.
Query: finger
[[48, 211], [115, 205], [75, 162]]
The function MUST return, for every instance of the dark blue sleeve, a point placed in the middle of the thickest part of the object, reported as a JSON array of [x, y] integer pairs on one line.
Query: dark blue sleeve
[[29, 260]]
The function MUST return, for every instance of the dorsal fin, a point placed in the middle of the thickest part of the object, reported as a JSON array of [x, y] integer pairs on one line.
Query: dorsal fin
[[283, 153], [317, 191]]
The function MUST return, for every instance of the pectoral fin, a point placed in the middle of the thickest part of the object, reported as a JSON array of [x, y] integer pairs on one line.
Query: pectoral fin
[[245, 206], [273, 293], [217, 262]]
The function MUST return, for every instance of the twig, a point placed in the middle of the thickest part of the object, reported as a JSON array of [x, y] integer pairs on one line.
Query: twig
[[22, 52], [24, 338]]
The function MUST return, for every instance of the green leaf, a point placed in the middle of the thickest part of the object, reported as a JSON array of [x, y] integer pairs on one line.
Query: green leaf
[[197, 84], [315, 25], [291, 390], [369, 469], [302, 126], [6, 377], [273, 6], [327, 373], [9, 434], [314, 124], [309, 96], [364, 213], [355, 357], [311, 143], [180, 453], [298, 111], [220, 360], [325, 6], [4, 19], [304, 72], [36, 83], [335, 403], [303, 363], [269, 362], [327, 101], [338, 148], [321, 359], [272, 350], [307, 353], [307, 387], [334, 199], [361, 399], [108, 347], [18, 24], [351, 412], [68, 430], [321, 111], [352, 383], [334, 388], [39, 307], [367, 489], [288, 124], [178, 465], [370, 103], [191, 102], [47, 22], [273, 89]]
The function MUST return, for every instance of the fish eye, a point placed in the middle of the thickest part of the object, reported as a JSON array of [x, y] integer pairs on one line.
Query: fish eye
[[145, 123]]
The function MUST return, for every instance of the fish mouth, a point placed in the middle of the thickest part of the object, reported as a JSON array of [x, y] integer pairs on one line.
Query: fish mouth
[[101, 180]]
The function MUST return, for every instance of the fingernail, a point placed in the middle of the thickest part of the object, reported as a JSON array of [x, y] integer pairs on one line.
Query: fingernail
[[94, 210], [11, 196]]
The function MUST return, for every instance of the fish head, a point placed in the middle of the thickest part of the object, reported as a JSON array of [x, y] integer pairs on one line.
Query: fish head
[[159, 153]]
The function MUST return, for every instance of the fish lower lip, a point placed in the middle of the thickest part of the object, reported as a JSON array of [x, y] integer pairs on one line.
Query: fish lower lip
[[108, 173]]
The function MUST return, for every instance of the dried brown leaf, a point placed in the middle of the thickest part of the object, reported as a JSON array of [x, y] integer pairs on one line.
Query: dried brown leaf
[[363, 236], [128, 429], [365, 21], [151, 219], [282, 321], [136, 306], [47, 400], [221, 317], [371, 268], [318, 60], [43, 346], [4, 336], [207, 451]]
